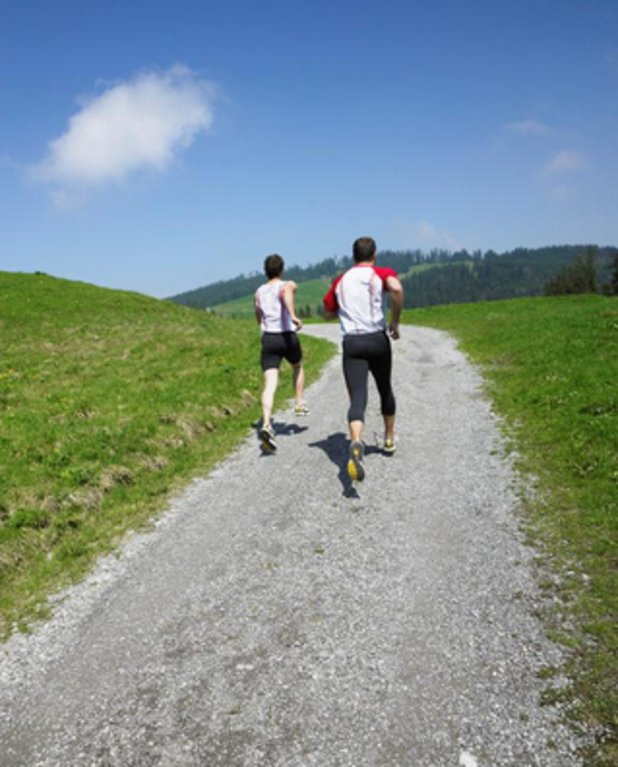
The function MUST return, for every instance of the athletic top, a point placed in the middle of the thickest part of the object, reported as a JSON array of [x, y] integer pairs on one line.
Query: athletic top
[[274, 316], [358, 297]]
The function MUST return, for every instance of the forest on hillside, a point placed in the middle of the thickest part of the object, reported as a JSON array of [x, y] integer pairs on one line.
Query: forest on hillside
[[445, 276]]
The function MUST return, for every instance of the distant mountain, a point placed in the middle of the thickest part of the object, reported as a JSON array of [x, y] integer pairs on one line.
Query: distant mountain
[[437, 277]]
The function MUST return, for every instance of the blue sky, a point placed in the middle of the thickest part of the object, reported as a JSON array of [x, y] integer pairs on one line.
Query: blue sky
[[159, 146]]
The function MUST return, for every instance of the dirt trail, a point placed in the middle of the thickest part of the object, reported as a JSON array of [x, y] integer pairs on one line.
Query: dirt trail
[[278, 617]]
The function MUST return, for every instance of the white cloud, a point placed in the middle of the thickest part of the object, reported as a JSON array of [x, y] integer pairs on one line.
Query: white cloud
[[430, 237], [528, 128], [565, 162], [140, 123]]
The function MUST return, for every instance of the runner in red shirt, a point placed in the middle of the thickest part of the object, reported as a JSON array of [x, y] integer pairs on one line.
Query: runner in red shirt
[[357, 298]]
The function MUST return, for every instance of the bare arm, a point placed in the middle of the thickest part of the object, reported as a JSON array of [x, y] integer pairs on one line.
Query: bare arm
[[395, 290], [330, 315], [288, 300], [258, 311]]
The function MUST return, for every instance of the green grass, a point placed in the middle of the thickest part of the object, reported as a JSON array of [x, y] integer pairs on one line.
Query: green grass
[[552, 370], [108, 402], [309, 293]]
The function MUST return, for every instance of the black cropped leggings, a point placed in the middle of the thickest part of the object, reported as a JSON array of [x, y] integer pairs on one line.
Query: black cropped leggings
[[361, 354]]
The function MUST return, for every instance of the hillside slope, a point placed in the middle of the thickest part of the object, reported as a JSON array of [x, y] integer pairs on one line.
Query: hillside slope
[[108, 400]]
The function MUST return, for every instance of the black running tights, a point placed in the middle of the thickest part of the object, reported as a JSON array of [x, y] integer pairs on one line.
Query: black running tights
[[362, 354]]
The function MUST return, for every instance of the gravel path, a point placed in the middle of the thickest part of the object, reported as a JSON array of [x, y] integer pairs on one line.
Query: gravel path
[[278, 616]]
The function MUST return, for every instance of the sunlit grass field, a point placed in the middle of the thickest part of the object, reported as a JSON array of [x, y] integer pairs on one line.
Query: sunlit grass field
[[551, 365], [108, 402]]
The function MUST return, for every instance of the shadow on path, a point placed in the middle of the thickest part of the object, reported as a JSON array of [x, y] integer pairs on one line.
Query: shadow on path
[[336, 448], [281, 429]]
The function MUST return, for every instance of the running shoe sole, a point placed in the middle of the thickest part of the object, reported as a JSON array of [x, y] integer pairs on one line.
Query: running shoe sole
[[356, 469], [268, 440]]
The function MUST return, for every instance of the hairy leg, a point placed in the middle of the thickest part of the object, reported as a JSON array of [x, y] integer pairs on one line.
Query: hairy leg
[[299, 383], [271, 380]]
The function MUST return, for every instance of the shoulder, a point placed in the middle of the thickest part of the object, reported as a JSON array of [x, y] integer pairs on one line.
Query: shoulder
[[384, 272]]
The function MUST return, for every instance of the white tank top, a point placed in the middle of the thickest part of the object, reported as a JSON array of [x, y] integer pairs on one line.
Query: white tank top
[[274, 317]]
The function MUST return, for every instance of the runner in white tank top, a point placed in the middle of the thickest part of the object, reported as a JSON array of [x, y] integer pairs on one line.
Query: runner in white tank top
[[274, 316], [274, 310]]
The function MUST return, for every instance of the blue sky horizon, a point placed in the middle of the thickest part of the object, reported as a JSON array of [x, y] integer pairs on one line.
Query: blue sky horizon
[[162, 146]]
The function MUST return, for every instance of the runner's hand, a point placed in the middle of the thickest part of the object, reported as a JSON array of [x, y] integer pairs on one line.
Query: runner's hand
[[393, 331], [297, 323]]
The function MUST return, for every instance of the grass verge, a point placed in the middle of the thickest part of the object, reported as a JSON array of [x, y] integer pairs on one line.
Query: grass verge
[[108, 402], [551, 365]]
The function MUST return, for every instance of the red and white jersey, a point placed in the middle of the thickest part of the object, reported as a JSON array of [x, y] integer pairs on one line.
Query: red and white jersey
[[358, 297], [274, 316]]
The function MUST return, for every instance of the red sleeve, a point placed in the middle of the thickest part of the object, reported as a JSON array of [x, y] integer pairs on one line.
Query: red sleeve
[[330, 299], [383, 272]]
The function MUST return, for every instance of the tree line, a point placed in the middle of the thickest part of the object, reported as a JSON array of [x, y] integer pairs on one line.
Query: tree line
[[516, 274], [582, 277], [452, 277]]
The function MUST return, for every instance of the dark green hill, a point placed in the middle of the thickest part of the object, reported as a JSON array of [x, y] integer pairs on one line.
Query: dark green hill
[[516, 274], [437, 277]]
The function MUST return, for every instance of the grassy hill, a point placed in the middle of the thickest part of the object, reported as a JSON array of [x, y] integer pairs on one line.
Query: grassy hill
[[108, 401], [551, 365]]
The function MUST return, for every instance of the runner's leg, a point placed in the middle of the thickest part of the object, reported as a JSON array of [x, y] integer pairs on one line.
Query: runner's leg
[[294, 355], [381, 366], [271, 380], [299, 383], [389, 428], [355, 371]]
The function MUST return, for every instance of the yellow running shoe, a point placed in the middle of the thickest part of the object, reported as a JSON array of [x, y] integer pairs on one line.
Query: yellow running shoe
[[389, 447], [355, 462]]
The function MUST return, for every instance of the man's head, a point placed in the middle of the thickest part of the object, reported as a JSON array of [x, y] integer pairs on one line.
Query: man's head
[[273, 266], [364, 249]]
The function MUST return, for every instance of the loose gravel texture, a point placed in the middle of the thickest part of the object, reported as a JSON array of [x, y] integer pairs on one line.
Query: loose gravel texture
[[277, 615]]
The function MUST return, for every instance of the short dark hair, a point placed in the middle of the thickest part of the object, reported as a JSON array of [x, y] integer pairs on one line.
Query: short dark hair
[[273, 266], [364, 249]]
